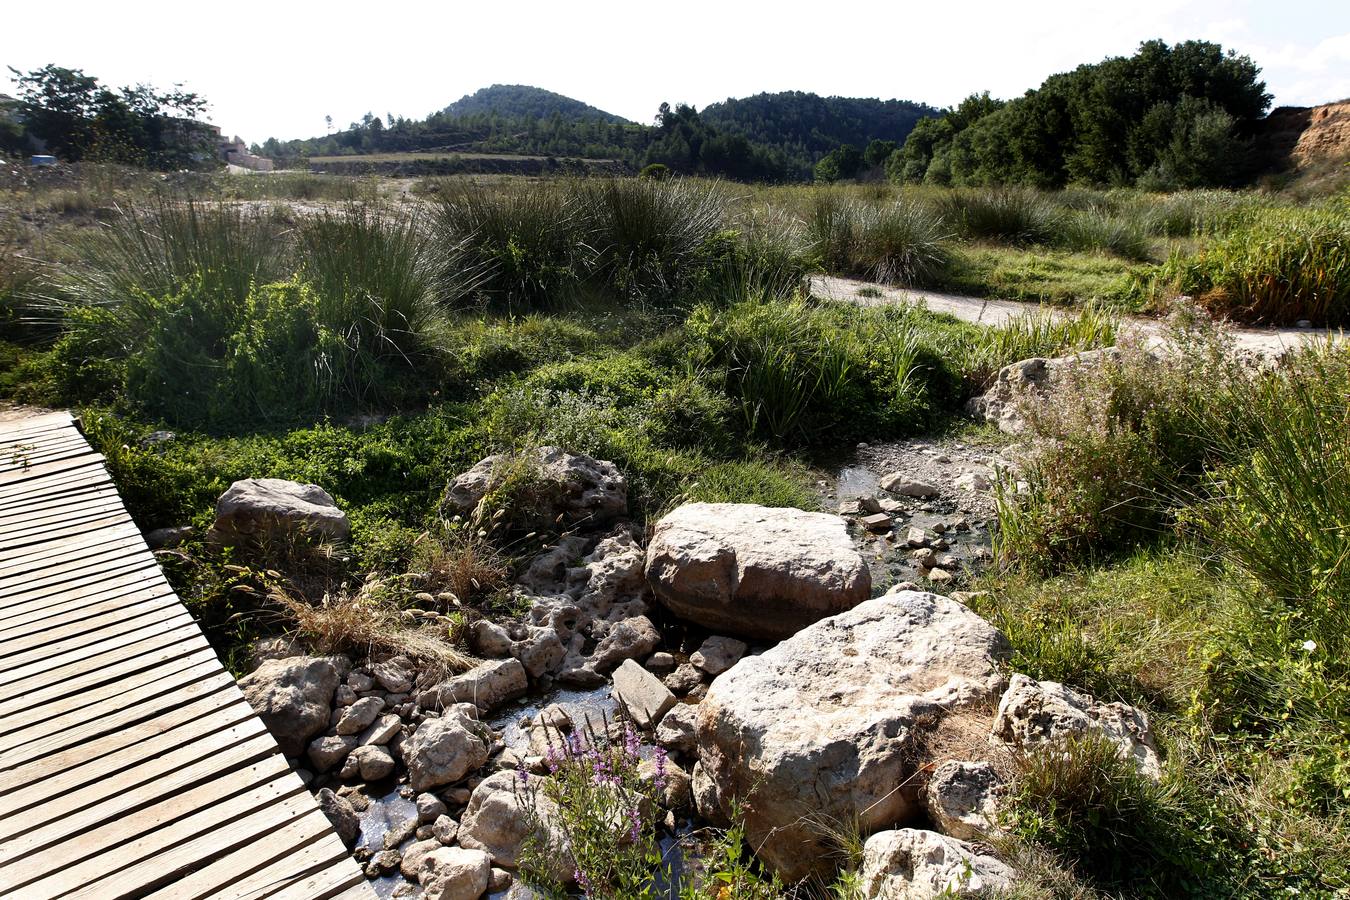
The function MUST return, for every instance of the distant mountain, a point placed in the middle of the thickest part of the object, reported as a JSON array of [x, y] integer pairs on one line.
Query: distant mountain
[[520, 101], [805, 127]]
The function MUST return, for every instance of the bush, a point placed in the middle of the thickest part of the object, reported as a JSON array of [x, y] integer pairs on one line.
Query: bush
[[516, 248], [1286, 265], [899, 242], [1094, 231], [650, 236], [1002, 215]]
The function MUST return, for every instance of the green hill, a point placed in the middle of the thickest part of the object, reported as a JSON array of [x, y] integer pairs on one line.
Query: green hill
[[520, 101]]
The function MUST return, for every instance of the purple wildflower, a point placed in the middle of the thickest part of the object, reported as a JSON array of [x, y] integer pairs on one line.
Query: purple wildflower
[[635, 828], [630, 743], [524, 776], [660, 779]]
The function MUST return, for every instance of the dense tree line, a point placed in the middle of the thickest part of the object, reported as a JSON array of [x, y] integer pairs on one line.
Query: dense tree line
[[75, 117], [1168, 116], [802, 128], [524, 102]]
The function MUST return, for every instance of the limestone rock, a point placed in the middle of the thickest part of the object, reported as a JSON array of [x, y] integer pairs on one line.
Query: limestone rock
[[372, 763], [830, 721], [754, 571], [413, 856], [327, 751], [487, 686], [259, 509], [360, 715], [642, 694], [629, 639], [293, 697], [490, 639], [909, 864], [454, 873], [577, 487], [899, 483], [340, 814], [1028, 381], [684, 679], [429, 808], [676, 731], [443, 750], [497, 822], [962, 799], [1036, 714], [717, 654]]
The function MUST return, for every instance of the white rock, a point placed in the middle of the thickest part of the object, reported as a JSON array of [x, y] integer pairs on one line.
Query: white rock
[[259, 508], [831, 722], [1036, 714], [909, 864], [454, 873], [962, 799], [752, 570], [575, 486], [973, 481], [327, 751], [487, 686], [293, 697], [642, 694], [359, 715], [1030, 381], [717, 654], [497, 819], [443, 750], [676, 731], [899, 483]]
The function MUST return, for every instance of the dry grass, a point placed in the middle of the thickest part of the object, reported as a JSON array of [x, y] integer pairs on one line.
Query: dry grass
[[463, 564]]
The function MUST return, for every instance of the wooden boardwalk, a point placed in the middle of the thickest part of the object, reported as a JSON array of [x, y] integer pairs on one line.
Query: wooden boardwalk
[[130, 763]]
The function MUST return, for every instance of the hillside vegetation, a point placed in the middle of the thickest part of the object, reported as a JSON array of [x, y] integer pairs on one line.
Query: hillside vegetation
[[520, 101]]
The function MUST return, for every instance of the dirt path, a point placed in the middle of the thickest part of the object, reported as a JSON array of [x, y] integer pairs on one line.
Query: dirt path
[[1267, 341]]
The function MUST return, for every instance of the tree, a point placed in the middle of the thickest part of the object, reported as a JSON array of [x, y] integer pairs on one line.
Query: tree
[[878, 151]]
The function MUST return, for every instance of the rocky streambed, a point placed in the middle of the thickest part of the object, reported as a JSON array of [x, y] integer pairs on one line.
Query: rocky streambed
[[800, 667]]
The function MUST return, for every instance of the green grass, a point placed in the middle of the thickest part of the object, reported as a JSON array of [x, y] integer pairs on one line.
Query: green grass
[[1059, 277]]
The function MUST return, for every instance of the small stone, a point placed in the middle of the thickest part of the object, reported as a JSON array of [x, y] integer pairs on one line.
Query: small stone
[[359, 715], [499, 880], [445, 829], [660, 663], [939, 576], [677, 729], [392, 676], [961, 799], [916, 537], [925, 558], [455, 873], [717, 654], [490, 639], [973, 481], [359, 681], [877, 522], [413, 856], [949, 562], [372, 763], [385, 861], [341, 814], [383, 731], [345, 696], [940, 544], [684, 679], [869, 504], [556, 717], [399, 833], [898, 483], [939, 528], [330, 750], [642, 694], [429, 808]]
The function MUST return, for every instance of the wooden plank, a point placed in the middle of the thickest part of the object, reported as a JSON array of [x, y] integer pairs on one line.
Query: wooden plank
[[72, 482], [180, 622], [90, 463], [183, 638], [43, 557], [50, 735], [78, 596], [289, 855], [24, 769], [65, 877], [199, 720], [174, 859], [332, 881], [33, 649], [56, 511], [109, 560], [54, 626], [148, 783], [83, 583], [109, 672], [111, 680], [26, 536]]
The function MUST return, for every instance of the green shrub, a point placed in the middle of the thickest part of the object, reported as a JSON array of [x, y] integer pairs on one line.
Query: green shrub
[[900, 242], [516, 247], [650, 236], [804, 374], [983, 352], [1001, 215], [1286, 265], [1093, 231]]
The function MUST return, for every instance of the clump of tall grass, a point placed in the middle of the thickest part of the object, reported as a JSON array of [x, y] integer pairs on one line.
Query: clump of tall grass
[[1001, 215], [898, 243], [1096, 231], [519, 247], [1283, 266], [803, 374], [649, 236], [1035, 335]]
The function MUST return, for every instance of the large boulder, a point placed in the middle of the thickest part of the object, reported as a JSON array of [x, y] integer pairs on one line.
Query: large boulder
[[553, 483], [1036, 714], [909, 864], [500, 815], [293, 697], [755, 571], [261, 509], [454, 873], [831, 724], [443, 750], [1029, 381]]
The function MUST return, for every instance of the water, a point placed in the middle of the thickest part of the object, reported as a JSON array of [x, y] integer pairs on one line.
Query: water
[[385, 812], [856, 481], [592, 705]]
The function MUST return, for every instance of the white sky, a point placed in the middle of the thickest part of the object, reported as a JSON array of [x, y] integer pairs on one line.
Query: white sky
[[277, 68]]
